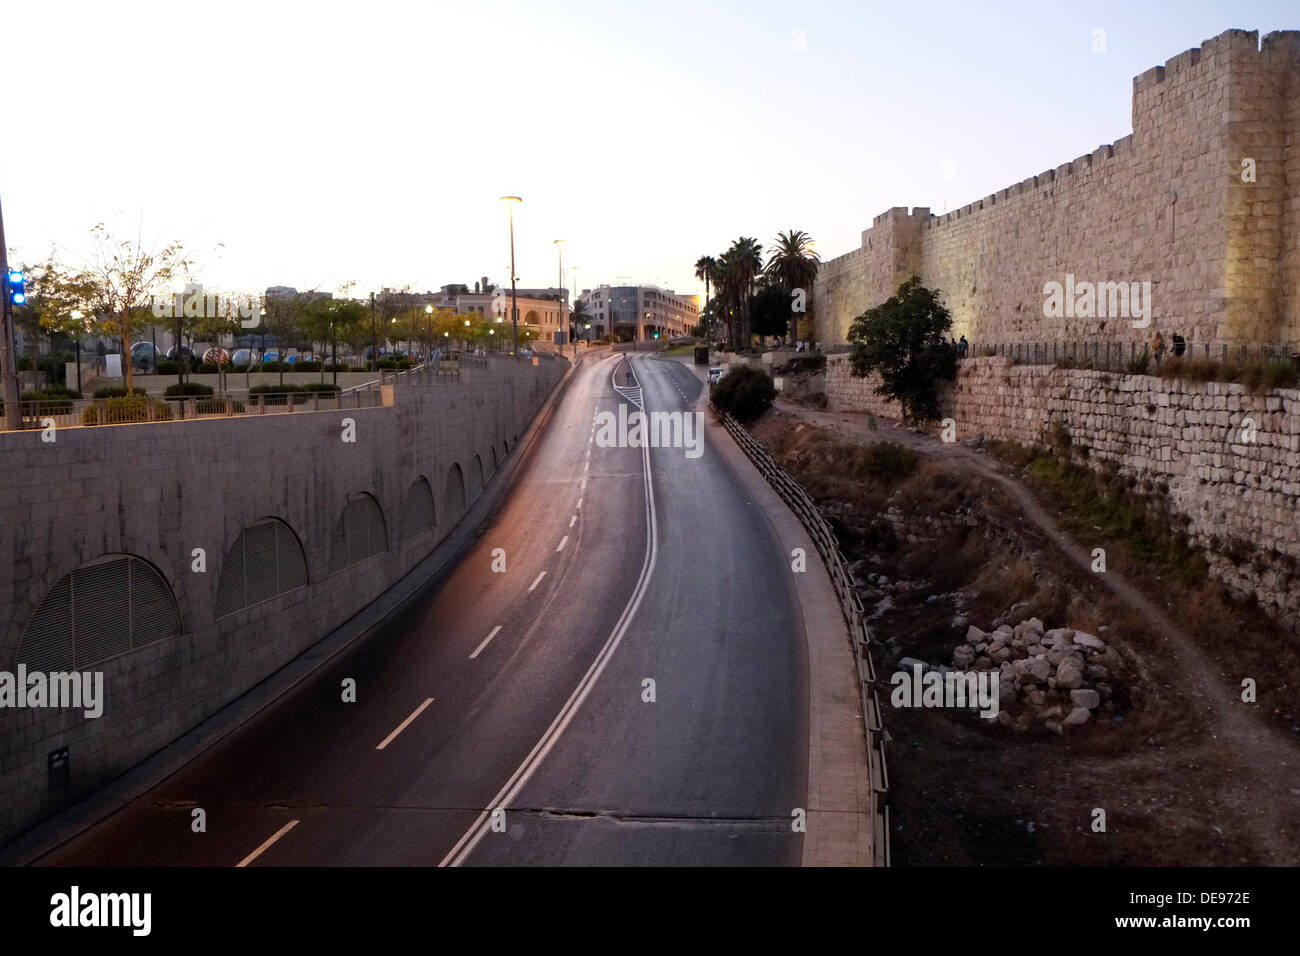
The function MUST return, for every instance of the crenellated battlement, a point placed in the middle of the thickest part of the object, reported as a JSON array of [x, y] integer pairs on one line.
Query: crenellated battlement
[[1166, 202]]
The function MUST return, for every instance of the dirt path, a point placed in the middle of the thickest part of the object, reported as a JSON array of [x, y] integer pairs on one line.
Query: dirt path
[[1266, 761]]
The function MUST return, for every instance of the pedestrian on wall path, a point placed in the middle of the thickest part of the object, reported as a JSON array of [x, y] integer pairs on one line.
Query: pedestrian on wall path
[[1158, 347]]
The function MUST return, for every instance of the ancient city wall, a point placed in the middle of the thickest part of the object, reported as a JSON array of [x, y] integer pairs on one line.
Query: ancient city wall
[[1165, 205], [1240, 496], [159, 491]]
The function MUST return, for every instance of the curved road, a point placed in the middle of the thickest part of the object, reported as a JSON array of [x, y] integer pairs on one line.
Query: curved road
[[503, 718]]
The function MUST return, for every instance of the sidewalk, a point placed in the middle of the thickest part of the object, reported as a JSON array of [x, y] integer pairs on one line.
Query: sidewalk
[[840, 828]]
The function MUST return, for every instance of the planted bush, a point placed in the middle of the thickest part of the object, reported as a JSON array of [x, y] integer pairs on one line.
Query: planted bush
[[744, 393], [117, 391], [280, 394], [186, 389]]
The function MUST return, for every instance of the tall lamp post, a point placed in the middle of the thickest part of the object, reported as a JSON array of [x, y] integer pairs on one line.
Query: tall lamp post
[[564, 304], [428, 355], [8, 363], [514, 297]]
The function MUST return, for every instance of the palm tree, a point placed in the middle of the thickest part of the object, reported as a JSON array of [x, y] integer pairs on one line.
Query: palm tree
[[793, 265], [744, 261], [578, 316], [706, 268]]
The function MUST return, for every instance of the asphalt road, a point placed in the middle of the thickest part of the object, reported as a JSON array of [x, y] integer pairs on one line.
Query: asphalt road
[[505, 719]]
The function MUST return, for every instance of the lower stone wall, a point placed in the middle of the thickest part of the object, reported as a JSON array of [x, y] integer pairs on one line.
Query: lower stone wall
[[159, 491], [1229, 458]]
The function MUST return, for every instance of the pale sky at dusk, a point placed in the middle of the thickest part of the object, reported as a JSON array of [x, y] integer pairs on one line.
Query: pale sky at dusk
[[325, 142]]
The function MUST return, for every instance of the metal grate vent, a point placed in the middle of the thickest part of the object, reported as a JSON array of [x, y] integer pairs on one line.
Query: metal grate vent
[[360, 534], [104, 608], [265, 561], [454, 494], [417, 510]]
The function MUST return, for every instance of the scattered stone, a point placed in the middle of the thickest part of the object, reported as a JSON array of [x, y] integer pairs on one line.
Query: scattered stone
[[1089, 640], [1079, 715], [909, 664], [975, 636], [1069, 675], [963, 656], [1084, 697]]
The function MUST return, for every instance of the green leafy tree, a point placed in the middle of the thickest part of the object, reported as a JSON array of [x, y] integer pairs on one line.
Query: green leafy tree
[[904, 339], [770, 310]]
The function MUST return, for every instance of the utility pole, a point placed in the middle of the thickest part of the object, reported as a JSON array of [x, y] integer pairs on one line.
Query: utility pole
[[8, 365], [374, 349]]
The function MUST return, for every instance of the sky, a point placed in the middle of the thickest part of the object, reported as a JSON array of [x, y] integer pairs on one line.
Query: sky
[[315, 144]]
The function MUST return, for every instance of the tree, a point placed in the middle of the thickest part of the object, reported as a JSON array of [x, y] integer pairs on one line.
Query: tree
[[904, 340], [737, 268], [770, 310], [127, 274], [706, 268], [793, 266], [281, 317], [578, 317], [61, 304]]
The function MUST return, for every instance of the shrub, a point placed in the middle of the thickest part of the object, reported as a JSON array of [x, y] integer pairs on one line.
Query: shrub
[[321, 387], [890, 461], [185, 389], [117, 391], [113, 411], [1138, 365], [207, 368], [279, 394], [744, 392], [168, 367], [50, 400]]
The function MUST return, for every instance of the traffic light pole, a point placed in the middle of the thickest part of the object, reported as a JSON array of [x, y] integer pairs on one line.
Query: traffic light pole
[[8, 365]]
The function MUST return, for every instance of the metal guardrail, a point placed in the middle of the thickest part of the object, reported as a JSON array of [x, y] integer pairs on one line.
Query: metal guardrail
[[810, 516], [75, 413]]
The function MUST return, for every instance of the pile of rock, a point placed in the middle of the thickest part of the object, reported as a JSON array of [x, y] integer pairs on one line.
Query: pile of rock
[[1059, 677]]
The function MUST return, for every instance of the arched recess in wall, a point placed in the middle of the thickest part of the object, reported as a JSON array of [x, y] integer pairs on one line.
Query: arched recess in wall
[[104, 608], [418, 513], [453, 495], [265, 561], [359, 534], [476, 478]]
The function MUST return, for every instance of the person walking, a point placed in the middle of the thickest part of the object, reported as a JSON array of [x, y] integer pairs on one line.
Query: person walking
[[962, 346], [1158, 348]]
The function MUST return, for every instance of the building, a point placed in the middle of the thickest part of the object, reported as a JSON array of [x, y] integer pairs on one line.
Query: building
[[638, 313], [543, 313], [1197, 212]]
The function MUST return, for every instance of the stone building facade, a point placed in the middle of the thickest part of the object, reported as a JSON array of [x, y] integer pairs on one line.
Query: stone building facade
[[1201, 201]]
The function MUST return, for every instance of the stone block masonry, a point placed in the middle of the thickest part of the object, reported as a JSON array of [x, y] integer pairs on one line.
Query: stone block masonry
[[158, 491], [1202, 200], [1230, 458]]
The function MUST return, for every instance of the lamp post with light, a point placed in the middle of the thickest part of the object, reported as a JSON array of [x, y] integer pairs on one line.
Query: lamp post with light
[[564, 303], [514, 297], [428, 354]]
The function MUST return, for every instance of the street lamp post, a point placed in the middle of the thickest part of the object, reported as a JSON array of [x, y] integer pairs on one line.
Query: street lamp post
[[428, 355], [8, 363], [514, 298], [374, 349], [564, 304]]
